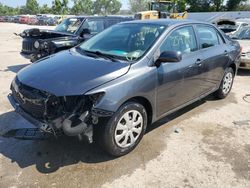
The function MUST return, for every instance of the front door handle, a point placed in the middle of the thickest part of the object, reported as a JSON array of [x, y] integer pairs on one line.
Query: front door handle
[[198, 62]]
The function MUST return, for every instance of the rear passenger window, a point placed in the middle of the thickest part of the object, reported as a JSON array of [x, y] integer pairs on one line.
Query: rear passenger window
[[182, 39], [207, 36]]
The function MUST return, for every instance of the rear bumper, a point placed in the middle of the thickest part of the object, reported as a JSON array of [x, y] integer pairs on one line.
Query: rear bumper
[[25, 115]]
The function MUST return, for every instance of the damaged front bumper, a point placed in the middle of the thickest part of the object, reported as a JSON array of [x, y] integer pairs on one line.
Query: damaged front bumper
[[71, 124], [25, 115], [61, 124]]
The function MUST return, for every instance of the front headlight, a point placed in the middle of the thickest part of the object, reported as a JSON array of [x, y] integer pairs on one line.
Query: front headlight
[[36, 44], [95, 98]]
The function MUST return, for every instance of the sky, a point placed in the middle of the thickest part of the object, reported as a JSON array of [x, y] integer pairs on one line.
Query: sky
[[15, 3]]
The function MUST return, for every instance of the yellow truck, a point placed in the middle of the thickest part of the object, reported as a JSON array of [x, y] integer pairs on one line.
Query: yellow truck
[[161, 9]]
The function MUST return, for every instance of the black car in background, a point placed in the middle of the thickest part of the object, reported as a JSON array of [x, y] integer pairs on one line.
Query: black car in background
[[38, 43], [122, 80]]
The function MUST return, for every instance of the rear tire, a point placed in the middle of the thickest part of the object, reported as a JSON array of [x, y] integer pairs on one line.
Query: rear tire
[[125, 129], [226, 84]]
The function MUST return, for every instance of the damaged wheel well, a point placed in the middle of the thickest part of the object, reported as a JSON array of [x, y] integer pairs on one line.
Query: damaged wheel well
[[147, 105]]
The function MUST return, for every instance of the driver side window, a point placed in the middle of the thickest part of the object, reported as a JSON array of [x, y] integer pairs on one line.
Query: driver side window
[[182, 39], [94, 26]]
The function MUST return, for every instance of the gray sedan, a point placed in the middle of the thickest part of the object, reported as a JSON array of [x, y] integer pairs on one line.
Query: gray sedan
[[125, 78]]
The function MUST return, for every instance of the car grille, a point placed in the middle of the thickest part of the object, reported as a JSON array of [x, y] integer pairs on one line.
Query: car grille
[[27, 46], [30, 100]]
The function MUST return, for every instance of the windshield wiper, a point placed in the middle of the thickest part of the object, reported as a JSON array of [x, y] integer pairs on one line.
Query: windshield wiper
[[97, 54], [100, 54]]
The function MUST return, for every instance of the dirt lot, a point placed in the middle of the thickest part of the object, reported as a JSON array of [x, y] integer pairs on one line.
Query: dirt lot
[[207, 150]]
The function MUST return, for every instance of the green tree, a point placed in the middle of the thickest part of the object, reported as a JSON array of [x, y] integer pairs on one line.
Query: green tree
[[200, 5], [82, 7], [56, 7], [106, 7], [6, 10], [32, 7], [138, 5], [143, 5], [244, 7], [65, 8], [218, 5], [181, 5], [234, 4], [60, 7], [45, 9]]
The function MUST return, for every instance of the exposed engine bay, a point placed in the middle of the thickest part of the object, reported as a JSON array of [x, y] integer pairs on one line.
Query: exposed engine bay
[[39, 43], [226, 25], [73, 115]]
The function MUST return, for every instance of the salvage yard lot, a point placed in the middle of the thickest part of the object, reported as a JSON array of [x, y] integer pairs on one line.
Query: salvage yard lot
[[206, 144]]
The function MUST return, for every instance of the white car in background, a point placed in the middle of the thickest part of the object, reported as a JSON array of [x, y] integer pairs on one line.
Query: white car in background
[[243, 37], [239, 26], [230, 27]]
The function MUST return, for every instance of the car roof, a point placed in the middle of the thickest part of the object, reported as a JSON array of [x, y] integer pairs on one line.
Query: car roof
[[168, 22]]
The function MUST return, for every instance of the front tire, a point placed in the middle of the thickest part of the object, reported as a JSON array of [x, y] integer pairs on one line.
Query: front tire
[[125, 129], [226, 84]]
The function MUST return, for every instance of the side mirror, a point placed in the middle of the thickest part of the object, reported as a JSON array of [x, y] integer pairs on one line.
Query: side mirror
[[85, 31], [169, 57]]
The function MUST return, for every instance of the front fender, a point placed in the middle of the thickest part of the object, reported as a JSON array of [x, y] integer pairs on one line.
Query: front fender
[[138, 82]]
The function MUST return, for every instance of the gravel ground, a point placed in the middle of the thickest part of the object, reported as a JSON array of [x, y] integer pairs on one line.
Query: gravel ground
[[199, 146]]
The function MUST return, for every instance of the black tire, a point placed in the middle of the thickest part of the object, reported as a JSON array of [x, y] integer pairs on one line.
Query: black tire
[[221, 93], [108, 132]]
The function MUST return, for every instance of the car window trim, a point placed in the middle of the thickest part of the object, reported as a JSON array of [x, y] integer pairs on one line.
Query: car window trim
[[216, 30], [179, 27]]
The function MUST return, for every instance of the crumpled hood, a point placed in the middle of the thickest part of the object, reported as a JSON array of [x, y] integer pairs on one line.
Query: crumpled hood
[[43, 33], [245, 44], [70, 73]]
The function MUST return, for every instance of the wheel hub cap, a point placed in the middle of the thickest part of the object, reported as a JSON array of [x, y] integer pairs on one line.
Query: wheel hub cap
[[128, 128], [227, 82]]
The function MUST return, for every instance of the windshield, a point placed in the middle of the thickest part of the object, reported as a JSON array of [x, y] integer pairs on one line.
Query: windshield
[[242, 34], [69, 25], [124, 41]]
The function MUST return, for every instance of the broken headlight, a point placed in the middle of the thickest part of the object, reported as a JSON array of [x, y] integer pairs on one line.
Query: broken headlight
[[95, 98]]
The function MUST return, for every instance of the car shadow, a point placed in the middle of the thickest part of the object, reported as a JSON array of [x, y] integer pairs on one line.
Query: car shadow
[[15, 68], [50, 155], [243, 72]]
